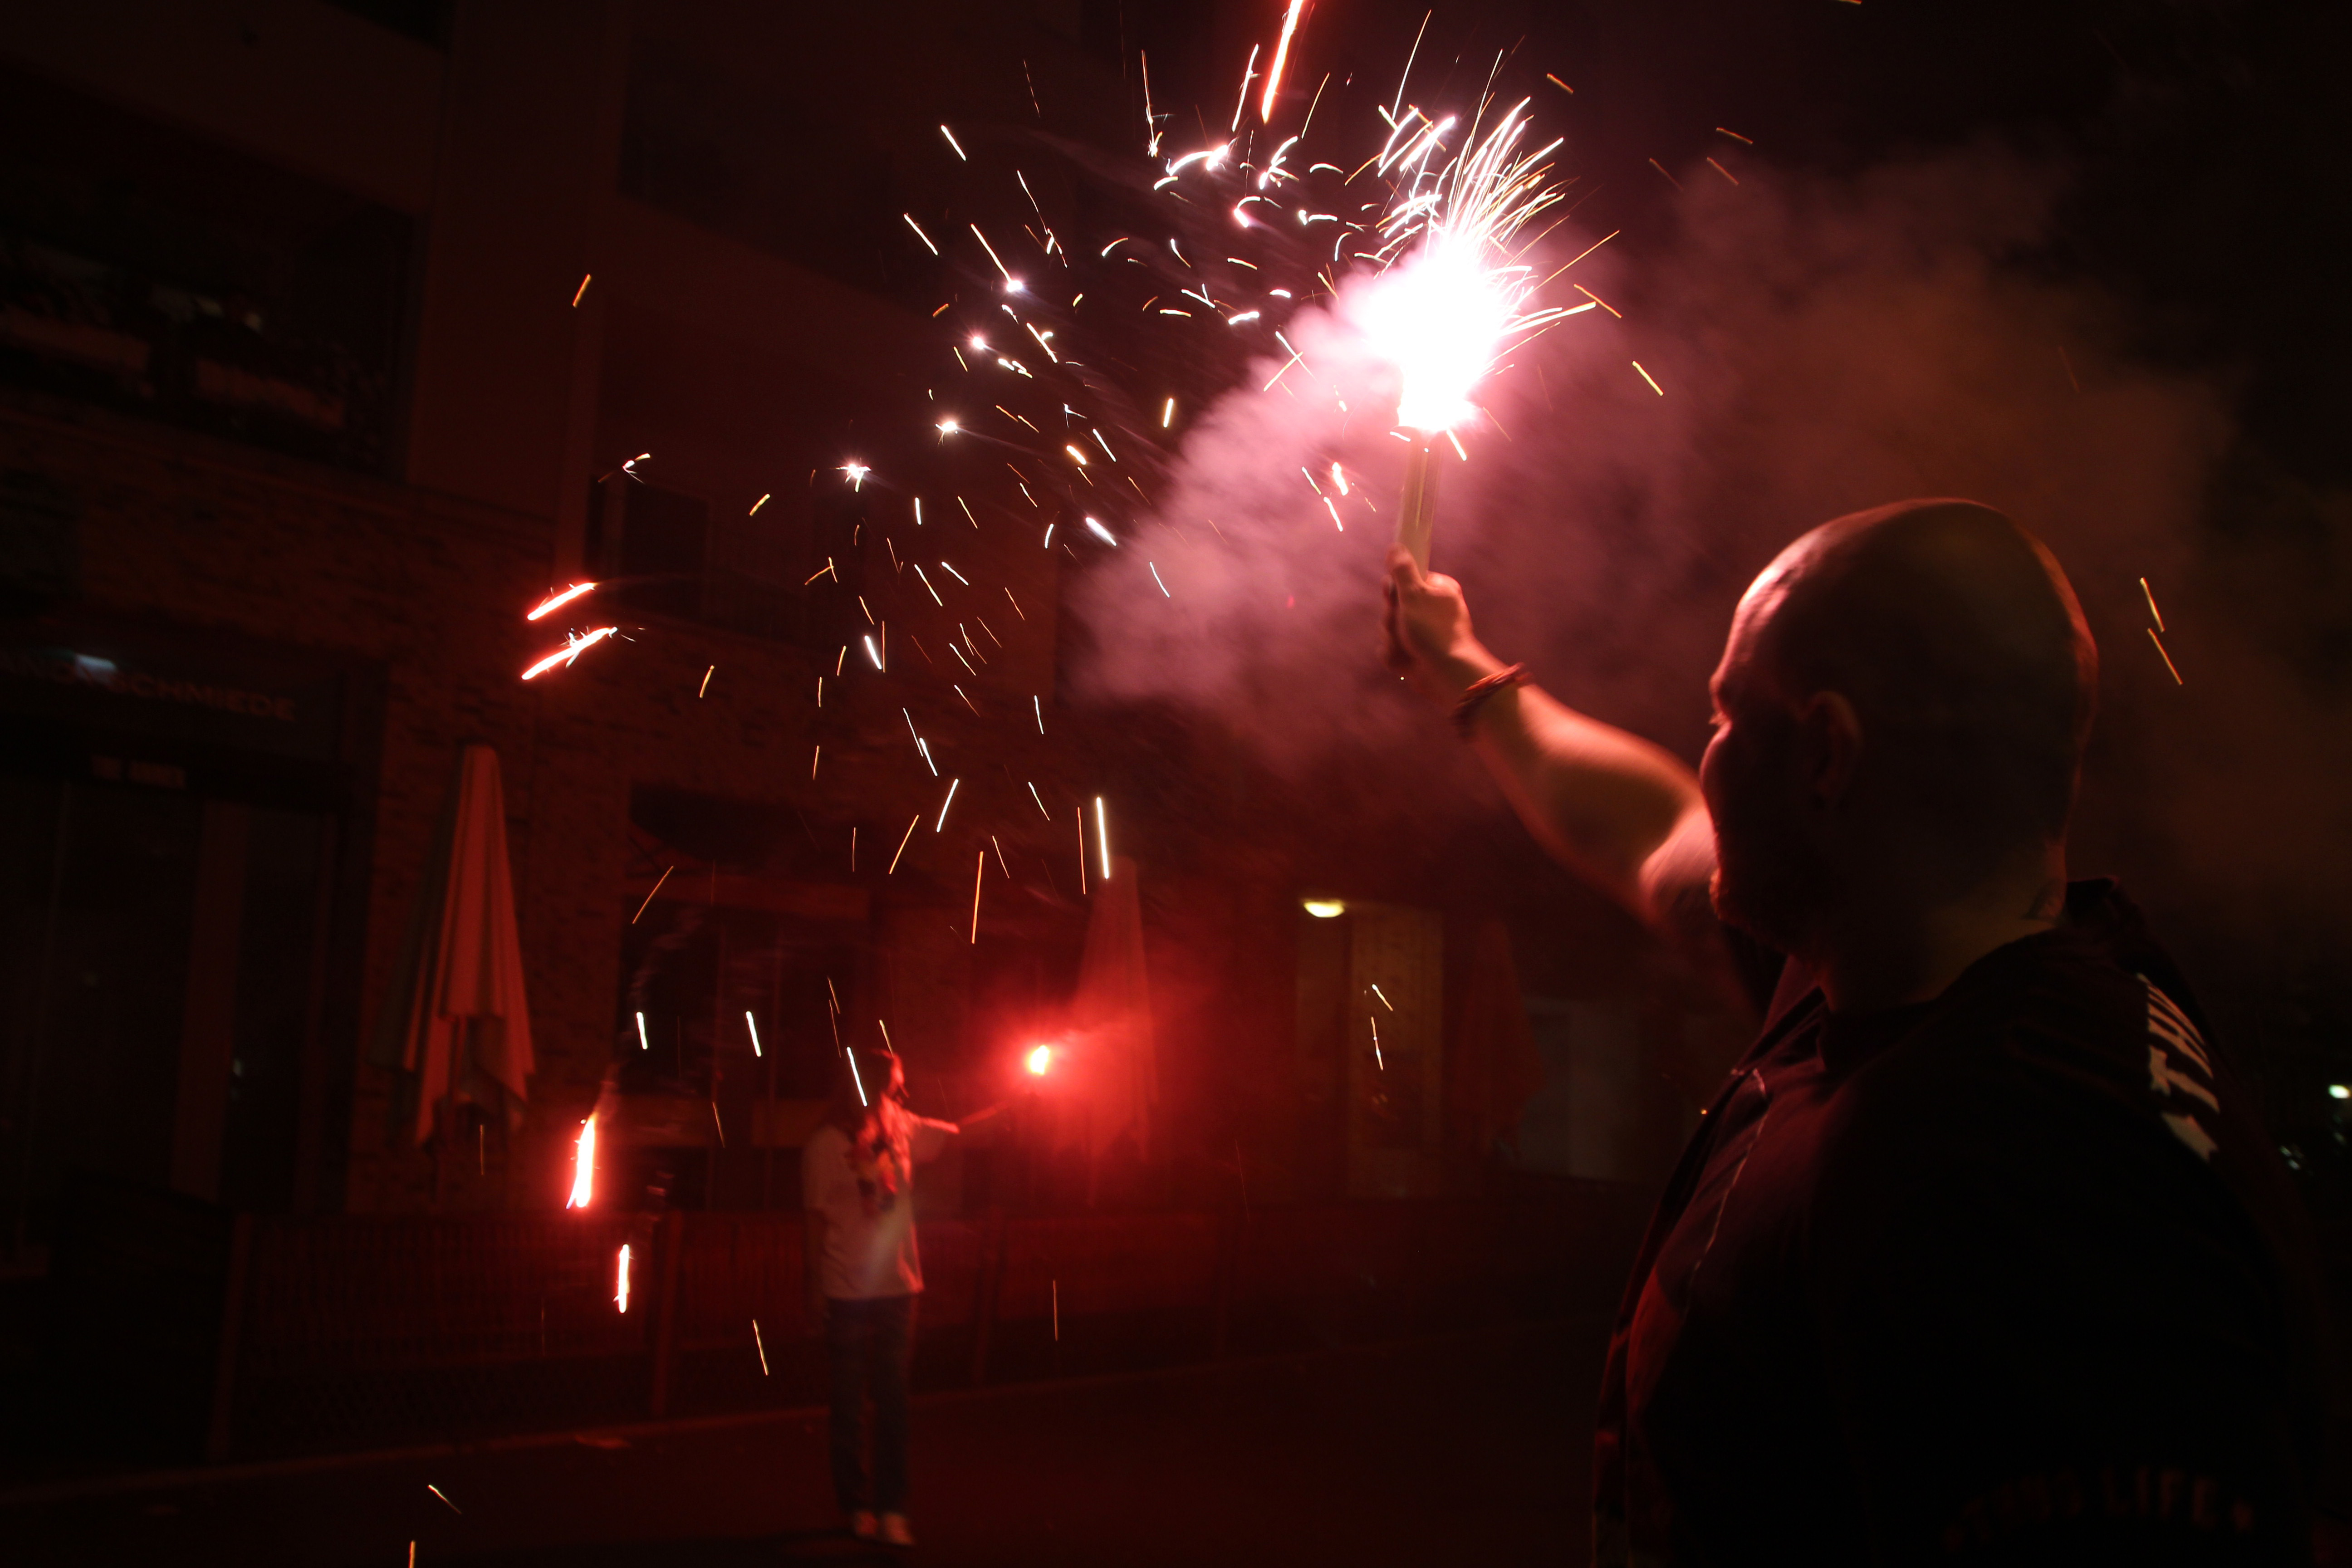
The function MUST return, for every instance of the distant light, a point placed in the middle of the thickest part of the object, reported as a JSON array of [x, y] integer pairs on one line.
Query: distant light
[[754, 1027], [584, 1166], [2339, 1092], [621, 1279], [949, 426], [855, 1075], [1324, 909], [1040, 1058], [1101, 532], [642, 1043], [1102, 836], [1014, 285]]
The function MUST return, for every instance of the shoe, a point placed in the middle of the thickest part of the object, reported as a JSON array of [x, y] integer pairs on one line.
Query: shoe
[[895, 1531], [861, 1525]]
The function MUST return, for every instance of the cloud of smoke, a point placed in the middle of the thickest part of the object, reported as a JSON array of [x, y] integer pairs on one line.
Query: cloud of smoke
[[1823, 344]]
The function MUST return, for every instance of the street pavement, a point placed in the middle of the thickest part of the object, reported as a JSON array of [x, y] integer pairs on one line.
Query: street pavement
[[1472, 1449]]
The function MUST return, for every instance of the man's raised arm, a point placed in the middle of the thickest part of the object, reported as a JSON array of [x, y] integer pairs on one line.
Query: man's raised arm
[[1620, 812]]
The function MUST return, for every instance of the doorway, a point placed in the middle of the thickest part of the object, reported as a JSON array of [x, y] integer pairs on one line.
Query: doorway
[[162, 962]]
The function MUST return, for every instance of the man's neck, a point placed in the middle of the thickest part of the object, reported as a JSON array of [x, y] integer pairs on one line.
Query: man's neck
[[1885, 953]]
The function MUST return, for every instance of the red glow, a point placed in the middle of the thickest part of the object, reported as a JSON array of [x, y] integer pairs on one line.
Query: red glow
[[1039, 1059]]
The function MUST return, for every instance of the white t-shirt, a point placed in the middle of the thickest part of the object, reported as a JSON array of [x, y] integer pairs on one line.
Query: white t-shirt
[[869, 1211]]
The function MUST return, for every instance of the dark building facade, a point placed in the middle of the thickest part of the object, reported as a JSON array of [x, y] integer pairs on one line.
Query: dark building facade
[[332, 339]]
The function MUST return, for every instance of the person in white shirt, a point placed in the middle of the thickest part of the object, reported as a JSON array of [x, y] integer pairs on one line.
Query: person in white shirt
[[863, 1272]]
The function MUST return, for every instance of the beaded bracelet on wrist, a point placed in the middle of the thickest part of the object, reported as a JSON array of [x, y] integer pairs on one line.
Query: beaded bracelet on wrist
[[1466, 707]]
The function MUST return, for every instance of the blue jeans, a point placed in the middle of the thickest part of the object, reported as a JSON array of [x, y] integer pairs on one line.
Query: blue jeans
[[868, 1345]]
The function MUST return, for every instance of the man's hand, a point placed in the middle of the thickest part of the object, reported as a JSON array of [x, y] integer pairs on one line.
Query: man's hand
[[1425, 632]]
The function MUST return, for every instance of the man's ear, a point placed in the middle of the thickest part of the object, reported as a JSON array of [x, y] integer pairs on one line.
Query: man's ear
[[1831, 736]]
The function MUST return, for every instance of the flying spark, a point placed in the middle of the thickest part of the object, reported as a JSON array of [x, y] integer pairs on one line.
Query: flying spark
[[554, 601], [572, 650], [649, 897], [1281, 55], [911, 823]]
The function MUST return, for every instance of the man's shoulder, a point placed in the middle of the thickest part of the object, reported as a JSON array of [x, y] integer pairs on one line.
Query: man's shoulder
[[2091, 1018]]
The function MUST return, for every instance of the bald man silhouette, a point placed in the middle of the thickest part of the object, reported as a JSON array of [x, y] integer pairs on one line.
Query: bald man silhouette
[[1979, 1253]]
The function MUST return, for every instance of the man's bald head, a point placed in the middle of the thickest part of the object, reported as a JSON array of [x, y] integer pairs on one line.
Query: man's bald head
[[1958, 641]]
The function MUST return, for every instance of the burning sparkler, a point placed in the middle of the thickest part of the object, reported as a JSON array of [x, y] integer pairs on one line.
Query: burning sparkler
[[1456, 294]]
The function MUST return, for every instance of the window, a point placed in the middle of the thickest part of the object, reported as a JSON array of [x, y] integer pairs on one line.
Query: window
[[147, 271], [671, 556]]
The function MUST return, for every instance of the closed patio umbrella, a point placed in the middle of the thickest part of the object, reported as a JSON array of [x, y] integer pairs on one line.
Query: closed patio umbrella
[[456, 1027], [1115, 1071]]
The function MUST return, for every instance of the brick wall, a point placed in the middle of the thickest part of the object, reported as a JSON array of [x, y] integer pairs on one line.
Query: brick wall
[[182, 531]]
